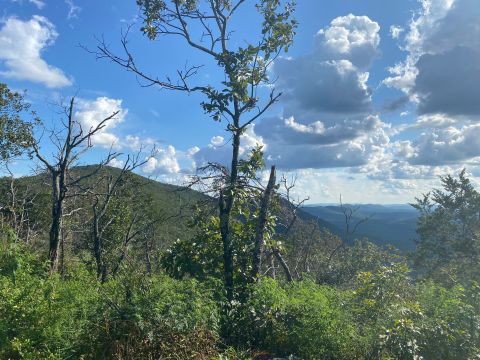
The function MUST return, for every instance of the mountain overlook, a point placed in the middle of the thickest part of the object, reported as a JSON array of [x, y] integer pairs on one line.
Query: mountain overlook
[[385, 225]]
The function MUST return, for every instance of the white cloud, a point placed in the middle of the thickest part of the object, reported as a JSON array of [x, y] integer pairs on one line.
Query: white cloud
[[449, 145], [21, 46], [353, 38], [396, 31], [217, 141], [290, 132], [115, 162], [89, 113], [38, 3], [164, 161], [73, 10], [327, 119], [136, 143], [220, 152], [441, 71]]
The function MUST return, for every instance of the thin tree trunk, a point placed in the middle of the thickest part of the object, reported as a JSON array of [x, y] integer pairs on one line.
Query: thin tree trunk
[[226, 205], [262, 221], [97, 246], [57, 217], [284, 264]]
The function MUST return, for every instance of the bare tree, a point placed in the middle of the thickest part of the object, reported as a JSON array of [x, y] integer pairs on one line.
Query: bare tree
[[261, 224], [206, 27], [350, 228], [107, 188], [15, 205], [71, 142]]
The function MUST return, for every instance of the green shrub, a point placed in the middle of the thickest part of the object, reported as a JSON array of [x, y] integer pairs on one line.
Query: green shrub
[[303, 319], [132, 317]]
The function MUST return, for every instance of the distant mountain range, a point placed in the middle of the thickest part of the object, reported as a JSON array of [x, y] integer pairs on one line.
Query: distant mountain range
[[387, 224]]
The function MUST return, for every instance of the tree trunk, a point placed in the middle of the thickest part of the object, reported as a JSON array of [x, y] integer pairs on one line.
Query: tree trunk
[[57, 218], [226, 205], [284, 264], [97, 247], [262, 221]]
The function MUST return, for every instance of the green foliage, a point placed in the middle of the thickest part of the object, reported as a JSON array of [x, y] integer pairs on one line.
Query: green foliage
[[245, 68], [135, 317], [301, 318], [202, 256], [15, 132], [449, 229]]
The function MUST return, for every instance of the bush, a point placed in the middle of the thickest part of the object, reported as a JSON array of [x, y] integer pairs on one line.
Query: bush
[[303, 319], [134, 317]]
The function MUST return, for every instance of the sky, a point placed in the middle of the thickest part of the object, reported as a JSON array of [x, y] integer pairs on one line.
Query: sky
[[380, 98]]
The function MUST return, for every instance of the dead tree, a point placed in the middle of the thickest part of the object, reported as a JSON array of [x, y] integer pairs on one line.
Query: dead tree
[[262, 220], [71, 143], [350, 229], [102, 198], [290, 215]]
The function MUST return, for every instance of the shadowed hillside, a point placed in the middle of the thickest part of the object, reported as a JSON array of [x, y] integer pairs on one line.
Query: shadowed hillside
[[387, 224]]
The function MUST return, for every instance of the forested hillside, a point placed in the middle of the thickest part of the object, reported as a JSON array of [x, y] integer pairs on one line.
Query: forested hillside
[[383, 225]]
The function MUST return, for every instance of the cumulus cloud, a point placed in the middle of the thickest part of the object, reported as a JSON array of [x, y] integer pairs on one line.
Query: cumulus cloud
[[322, 86], [220, 151], [115, 162], [290, 132], [442, 70], [164, 161], [21, 47], [353, 38], [89, 113], [327, 119], [440, 74], [448, 145], [137, 143], [448, 82]]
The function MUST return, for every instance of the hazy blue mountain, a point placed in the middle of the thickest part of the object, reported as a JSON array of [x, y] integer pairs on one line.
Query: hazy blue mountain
[[388, 224]]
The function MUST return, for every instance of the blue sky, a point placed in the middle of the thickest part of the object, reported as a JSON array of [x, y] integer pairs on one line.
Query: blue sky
[[380, 97]]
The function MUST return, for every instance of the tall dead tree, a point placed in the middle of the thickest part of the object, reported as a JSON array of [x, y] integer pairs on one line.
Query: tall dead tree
[[108, 187], [262, 220], [70, 143], [205, 26]]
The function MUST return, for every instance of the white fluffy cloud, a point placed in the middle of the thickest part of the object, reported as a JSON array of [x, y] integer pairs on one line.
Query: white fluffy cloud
[[21, 46], [164, 161], [220, 151], [450, 145], [396, 31], [89, 113], [441, 74], [327, 119], [353, 38]]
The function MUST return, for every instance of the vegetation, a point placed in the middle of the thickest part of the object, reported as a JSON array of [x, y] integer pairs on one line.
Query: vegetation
[[15, 133], [366, 303], [100, 263]]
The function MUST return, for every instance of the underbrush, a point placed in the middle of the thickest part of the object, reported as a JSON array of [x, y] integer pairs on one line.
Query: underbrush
[[135, 316]]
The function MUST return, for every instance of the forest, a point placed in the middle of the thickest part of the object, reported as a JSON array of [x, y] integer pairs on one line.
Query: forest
[[99, 261]]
